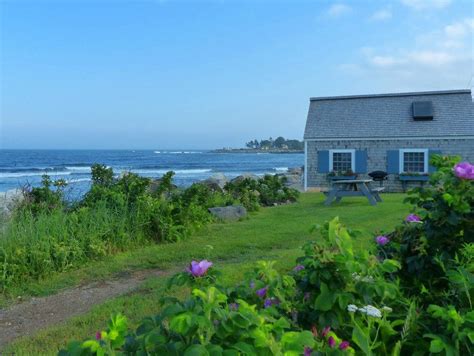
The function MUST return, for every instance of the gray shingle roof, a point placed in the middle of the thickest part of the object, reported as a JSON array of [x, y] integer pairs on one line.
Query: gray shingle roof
[[390, 115]]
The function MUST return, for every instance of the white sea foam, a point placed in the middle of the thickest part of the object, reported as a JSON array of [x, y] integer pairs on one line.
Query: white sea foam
[[32, 174], [79, 180], [281, 169], [79, 169]]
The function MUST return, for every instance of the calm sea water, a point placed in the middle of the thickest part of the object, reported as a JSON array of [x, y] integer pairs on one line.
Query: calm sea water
[[22, 167]]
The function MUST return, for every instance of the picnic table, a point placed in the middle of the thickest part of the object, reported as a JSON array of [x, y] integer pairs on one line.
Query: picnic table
[[353, 188]]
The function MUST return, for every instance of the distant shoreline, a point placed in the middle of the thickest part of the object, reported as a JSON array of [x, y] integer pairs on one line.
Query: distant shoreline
[[253, 150]]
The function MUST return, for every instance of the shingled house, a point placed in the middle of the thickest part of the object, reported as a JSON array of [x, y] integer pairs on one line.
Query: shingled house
[[395, 133]]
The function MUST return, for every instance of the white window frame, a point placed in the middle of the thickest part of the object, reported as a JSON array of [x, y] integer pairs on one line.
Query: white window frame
[[413, 150], [331, 156]]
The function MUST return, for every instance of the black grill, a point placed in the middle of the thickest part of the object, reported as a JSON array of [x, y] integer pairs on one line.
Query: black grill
[[378, 176]]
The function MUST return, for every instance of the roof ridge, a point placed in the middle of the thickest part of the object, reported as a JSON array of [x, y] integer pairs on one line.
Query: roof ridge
[[362, 96]]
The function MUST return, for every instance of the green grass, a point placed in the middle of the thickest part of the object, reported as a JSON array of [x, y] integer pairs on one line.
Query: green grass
[[275, 233]]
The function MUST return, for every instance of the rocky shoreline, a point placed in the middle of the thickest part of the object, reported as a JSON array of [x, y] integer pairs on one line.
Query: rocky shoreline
[[254, 150], [294, 178]]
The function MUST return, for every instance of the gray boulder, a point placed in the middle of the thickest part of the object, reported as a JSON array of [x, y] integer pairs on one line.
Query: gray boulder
[[9, 200], [240, 178], [293, 179], [229, 213], [215, 181], [295, 170]]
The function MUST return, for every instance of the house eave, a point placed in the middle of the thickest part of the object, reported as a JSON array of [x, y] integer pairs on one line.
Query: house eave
[[393, 138], [421, 93]]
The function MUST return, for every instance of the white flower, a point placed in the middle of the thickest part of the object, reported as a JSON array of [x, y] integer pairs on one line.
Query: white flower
[[357, 277], [387, 309], [351, 308], [370, 310]]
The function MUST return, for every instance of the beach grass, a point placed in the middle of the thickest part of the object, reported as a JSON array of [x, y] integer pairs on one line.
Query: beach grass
[[275, 233]]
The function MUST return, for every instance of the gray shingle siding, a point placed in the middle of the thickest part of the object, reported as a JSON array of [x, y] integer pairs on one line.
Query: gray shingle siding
[[379, 123], [377, 156], [390, 115]]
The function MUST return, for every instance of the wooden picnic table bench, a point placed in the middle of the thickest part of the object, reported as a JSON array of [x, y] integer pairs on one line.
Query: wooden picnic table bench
[[353, 188]]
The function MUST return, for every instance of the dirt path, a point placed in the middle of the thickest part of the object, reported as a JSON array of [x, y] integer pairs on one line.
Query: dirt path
[[39, 313]]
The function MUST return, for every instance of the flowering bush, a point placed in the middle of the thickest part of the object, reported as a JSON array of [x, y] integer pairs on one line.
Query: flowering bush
[[213, 320], [428, 244], [335, 300]]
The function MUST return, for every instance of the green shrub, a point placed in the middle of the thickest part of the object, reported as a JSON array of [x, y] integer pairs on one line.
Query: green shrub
[[267, 191], [46, 235], [427, 249], [44, 198]]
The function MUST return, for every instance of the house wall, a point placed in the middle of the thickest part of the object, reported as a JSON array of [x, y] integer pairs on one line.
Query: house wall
[[377, 156]]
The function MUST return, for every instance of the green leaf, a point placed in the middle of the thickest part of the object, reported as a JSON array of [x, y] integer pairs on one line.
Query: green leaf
[[181, 323], [397, 349], [92, 345], [325, 299], [260, 338], [245, 348], [469, 317], [214, 350], [390, 266], [448, 198], [196, 350], [231, 353], [359, 337], [296, 341], [436, 345], [240, 320]]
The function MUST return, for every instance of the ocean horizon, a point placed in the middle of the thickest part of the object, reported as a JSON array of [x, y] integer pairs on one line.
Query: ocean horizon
[[25, 167]]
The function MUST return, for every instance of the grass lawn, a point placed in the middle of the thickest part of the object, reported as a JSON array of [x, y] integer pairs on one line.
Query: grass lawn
[[275, 233]]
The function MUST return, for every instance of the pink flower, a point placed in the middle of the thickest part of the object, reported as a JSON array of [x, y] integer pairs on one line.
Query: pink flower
[[344, 345], [464, 170], [382, 240], [413, 218], [331, 342], [270, 302], [199, 269], [314, 330], [98, 335], [262, 292], [307, 351], [298, 268], [325, 331]]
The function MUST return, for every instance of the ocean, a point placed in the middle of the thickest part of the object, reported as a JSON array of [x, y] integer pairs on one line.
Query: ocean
[[19, 168]]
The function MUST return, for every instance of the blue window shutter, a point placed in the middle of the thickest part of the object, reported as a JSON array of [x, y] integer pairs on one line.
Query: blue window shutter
[[431, 168], [393, 162], [361, 161], [323, 161]]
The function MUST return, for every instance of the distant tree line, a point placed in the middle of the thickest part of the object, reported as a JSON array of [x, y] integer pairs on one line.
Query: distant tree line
[[279, 143]]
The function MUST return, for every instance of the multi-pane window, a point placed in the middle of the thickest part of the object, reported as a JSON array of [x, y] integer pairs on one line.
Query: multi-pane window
[[342, 161], [414, 161]]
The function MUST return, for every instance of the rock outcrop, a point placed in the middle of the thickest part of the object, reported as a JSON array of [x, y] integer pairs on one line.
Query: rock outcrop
[[229, 213], [216, 181]]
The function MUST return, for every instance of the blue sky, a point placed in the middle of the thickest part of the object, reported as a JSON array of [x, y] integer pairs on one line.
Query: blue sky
[[206, 74]]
